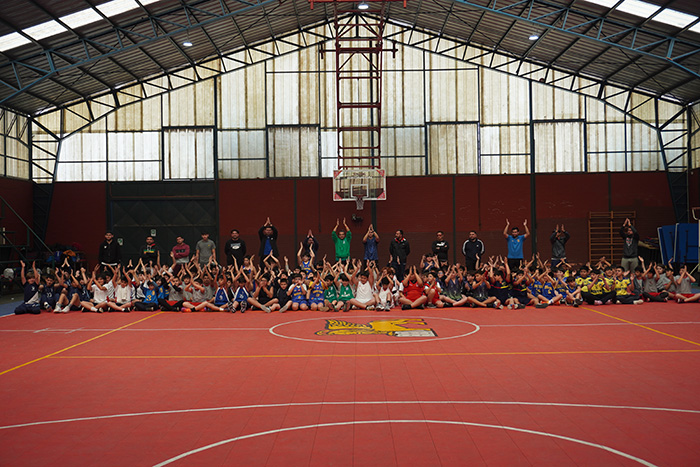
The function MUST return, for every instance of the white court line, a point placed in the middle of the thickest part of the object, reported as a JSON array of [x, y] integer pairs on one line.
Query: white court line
[[310, 404], [584, 324], [377, 318], [377, 422], [137, 330]]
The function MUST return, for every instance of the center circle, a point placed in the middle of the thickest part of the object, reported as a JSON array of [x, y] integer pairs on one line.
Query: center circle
[[375, 329]]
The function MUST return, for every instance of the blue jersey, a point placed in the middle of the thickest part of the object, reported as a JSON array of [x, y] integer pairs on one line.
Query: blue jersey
[[149, 295], [548, 290], [317, 293], [31, 293], [163, 292], [515, 246], [371, 252], [241, 295], [221, 296]]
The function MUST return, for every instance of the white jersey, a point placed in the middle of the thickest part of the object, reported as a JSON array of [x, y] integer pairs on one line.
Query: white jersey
[[364, 292], [386, 298], [100, 295], [124, 294]]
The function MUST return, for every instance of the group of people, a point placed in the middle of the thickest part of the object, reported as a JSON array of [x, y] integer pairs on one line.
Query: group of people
[[197, 282]]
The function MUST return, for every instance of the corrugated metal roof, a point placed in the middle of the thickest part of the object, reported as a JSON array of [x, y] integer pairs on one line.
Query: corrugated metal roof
[[139, 47]]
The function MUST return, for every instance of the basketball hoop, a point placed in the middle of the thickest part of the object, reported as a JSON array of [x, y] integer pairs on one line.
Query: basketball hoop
[[359, 202]]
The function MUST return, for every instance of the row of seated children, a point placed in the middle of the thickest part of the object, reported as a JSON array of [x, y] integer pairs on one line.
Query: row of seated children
[[344, 286]]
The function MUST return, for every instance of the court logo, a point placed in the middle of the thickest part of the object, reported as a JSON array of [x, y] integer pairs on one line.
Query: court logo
[[388, 327]]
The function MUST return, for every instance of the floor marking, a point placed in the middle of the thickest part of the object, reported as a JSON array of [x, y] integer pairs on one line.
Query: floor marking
[[582, 324], [433, 422], [76, 345], [534, 325], [334, 403], [446, 354], [132, 330], [642, 326], [375, 317]]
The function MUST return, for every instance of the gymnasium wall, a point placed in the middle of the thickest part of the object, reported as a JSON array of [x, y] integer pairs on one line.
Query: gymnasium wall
[[18, 193], [418, 205]]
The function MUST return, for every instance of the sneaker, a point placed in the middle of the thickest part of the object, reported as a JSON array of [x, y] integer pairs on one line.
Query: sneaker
[[448, 305], [510, 307], [680, 300], [598, 303], [609, 302], [405, 307], [347, 307], [638, 302], [542, 305], [370, 308], [520, 306], [431, 305], [244, 306], [420, 307], [266, 309], [46, 306], [57, 310]]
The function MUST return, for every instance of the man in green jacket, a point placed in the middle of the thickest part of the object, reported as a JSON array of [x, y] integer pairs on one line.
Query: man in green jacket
[[341, 239]]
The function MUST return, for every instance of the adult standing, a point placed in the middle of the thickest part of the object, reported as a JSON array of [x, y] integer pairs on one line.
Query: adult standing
[[110, 251], [630, 246], [399, 250], [371, 241], [235, 249], [473, 250], [180, 254], [268, 241], [205, 249], [341, 240], [150, 254], [515, 244], [558, 240], [440, 247], [310, 246]]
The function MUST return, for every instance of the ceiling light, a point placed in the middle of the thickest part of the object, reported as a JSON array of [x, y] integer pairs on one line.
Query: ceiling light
[[187, 43], [363, 6], [534, 36]]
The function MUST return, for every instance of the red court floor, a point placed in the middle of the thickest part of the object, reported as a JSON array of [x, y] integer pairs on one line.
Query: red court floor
[[610, 385]]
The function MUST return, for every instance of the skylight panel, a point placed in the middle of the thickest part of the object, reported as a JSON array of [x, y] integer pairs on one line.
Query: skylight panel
[[12, 40], [605, 3], [44, 30], [81, 18], [643, 9], [74, 20], [675, 18], [117, 7], [638, 8]]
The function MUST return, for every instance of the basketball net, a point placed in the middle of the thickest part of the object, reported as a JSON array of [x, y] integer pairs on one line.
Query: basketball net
[[359, 202]]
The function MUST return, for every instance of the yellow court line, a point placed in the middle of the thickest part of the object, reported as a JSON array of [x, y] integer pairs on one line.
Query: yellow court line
[[642, 326], [78, 344], [455, 354]]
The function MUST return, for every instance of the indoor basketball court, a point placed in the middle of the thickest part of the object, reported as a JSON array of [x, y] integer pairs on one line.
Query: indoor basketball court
[[611, 385], [224, 154]]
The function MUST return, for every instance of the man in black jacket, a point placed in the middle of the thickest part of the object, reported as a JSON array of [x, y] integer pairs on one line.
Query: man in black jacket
[[441, 248], [110, 252], [399, 250], [473, 249]]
